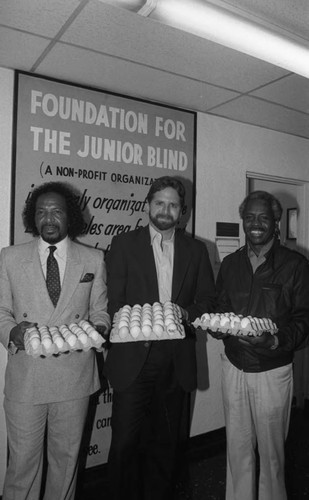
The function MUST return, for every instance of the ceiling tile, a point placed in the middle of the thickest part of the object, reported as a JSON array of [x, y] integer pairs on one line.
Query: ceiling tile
[[20, 50], [264, 114], [41, 17], [117, 75], [292, 91]]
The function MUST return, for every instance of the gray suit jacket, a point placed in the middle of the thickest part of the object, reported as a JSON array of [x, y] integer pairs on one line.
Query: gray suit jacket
[[24, 297]]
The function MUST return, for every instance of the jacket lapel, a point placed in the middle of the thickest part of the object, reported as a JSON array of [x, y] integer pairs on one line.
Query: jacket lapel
[[31, 265], [182, 257], [72, 275], [147, 263]]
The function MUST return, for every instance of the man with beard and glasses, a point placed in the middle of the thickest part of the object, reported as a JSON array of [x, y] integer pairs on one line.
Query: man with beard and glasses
[[263, 279], [49, 281], [150, 378]]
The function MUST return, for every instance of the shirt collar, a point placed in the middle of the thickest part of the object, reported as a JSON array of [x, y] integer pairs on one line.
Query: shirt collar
[[156, 234], [263, 250], [62, 246]]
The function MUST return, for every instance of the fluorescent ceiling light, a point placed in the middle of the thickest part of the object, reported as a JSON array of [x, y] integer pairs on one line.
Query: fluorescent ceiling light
[[226, 28], [134, 5]]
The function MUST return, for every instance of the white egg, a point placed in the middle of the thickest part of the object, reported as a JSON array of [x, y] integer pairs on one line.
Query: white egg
[[123, 322], [135, 316], [71, 340], [134, 323], [35, 342], [124, 314], [146, 316], [146, 330], [157, 315], [168, 303], [125, 309], [158, 330], [146, 322], [123, 332], [136, 307], [83, 338], [93, 333], [205, 318], [215, 320], [168, 321], [59, 342], [158, 321], [47, 342], [135, 331], [171, 328]]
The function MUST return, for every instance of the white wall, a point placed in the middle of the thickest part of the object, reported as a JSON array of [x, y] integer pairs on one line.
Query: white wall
[[6, 111], [226, 150]]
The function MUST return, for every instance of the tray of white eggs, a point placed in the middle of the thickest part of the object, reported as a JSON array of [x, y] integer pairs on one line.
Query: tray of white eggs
[[147, 322], [233, 324], [47, 341]]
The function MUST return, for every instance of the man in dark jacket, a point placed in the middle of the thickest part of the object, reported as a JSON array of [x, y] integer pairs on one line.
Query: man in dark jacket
[[150, 378], [267, 280]]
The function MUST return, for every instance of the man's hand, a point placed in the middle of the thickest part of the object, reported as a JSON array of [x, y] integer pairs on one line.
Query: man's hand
[[218, 335], [184, 314], [102, 329], [265, 340], [17, 334]]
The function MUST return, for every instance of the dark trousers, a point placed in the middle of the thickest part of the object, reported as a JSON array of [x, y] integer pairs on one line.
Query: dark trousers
[[145, 429]]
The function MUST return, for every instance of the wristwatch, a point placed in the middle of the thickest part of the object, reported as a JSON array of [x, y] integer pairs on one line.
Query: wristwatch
[[276, 343], [12, 349]]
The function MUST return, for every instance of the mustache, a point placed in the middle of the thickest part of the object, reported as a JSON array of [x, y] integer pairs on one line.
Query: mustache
[[44, 226], [167, 217]]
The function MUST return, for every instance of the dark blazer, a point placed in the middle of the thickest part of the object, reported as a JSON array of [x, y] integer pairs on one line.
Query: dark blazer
[[132, 279]]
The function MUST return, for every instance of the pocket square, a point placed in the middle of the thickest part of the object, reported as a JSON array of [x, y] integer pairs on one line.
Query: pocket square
[[87, 277]]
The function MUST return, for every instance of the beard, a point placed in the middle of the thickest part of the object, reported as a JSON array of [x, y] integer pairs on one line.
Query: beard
[[163, 222], [50, 233]]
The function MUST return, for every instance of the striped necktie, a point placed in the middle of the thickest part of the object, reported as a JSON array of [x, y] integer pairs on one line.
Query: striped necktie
[[53, 276]]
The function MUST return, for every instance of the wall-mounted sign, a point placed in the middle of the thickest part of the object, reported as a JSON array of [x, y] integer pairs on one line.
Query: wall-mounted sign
[[108, 146]]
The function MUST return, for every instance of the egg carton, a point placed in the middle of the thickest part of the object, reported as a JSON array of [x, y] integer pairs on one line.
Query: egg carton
[[237, 325], [148, 322], [47, 341]]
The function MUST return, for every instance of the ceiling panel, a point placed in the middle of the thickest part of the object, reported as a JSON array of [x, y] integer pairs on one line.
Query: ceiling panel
[[41, 17], [292, 91], [19, 50], [117, 75], [265, 114]]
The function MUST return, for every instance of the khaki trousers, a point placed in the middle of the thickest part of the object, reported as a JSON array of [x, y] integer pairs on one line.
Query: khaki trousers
[[257, 414], [26, 426]]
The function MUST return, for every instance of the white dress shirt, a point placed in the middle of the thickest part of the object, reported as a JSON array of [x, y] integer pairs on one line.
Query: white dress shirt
[[163, 251], [60, 255]]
